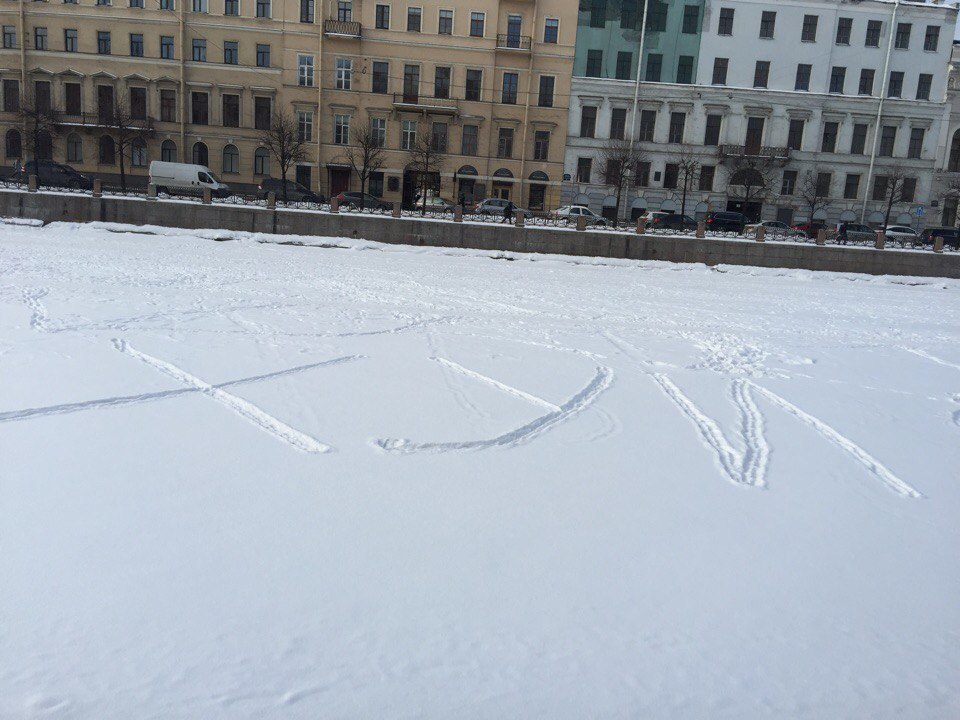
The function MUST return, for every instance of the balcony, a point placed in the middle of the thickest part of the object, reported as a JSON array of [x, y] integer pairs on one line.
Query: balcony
[[93, 121], [341, 28], [764, 152], [510, 41], [412, 102]]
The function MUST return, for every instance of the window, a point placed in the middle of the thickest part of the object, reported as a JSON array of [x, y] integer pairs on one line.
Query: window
[[199, 108], [41, 94], [70, 40], [711, 135], [231, 159], [594, 63], [381, 74], [629, 15], [505, 143], [866, 82], [11, 95], [888, 139], [858, 141], [200, 6], [803, 77], [438, 137], [138, 103], [671, 176], [168, 106], [768, 23], [441, 82], [105, 105], [931, 40], [720, 66], [584, 168], [72, 99], [136, 3], [103, 42], [9, 36], [168, 151], [231, 52], [344, 11], [468, 140], [541, 144], [408, 134], [874, 28], [761, 73], [344, 73], [263, 8], [837, 78], [895, 88], [545, 96], [304, 125], [74, 148], [788, 186], [908, 190], [707, 174], [341, 129], [795, 134], [915, 149], [477, 22], [654, 67], [445, 22], [40, 38], [924, 83], [382, 17], [411, 83], [641, 174], [305, 70], [138, 153], [851, 186], [230, 110], [107, 154], [263, 55], [685, 69], [823, 184], [166, 47], [829, 141], [474, 83], [691, 20], [262, 113], [648, 123], [844, 30], [199, 50], [618, 123], [809, 31], [306, 11], [588, 121], [375, 184], [624, 65], [725, 26], [678, 122], [511, 82], [551, 30], [230, 7], [657, 17], [163, 5], [902, 38], [880, 187], [261, 161], [414, 18]]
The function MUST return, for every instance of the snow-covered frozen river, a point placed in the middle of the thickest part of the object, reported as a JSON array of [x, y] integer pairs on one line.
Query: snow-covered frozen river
[[246, 480]]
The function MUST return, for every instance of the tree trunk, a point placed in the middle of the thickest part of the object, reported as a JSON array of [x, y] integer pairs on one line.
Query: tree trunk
[[283, 171], [123, 172], [363, 192]]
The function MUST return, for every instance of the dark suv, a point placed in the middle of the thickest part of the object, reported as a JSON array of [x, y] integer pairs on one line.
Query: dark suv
[[726, 221], [52, 174], [673, 222], [370, 202], [950, 235], [295, 191]]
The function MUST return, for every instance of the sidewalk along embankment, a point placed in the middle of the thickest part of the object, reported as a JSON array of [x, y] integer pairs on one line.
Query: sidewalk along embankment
[[73, 207]]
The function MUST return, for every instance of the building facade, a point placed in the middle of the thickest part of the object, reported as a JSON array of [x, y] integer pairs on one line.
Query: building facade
[[487, 82], [791, 110]]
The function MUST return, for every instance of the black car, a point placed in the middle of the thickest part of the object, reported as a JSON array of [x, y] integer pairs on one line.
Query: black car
[[950, 235], [673, 222], [295, 191], [370, 202], [726, 221], [52, 174]]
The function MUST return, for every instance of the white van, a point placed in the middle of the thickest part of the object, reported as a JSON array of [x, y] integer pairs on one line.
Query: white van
[[185, 179]]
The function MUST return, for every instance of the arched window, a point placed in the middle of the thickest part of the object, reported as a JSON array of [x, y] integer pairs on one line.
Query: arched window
[[44, 149], [138, 153], [261, 162], [201, 156], [13, 144], [74, 148], [107, 154], [954, 163], [231, 159], [168, 151]]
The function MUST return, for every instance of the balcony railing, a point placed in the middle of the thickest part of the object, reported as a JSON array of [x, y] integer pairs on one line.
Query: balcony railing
[[424, 104], [513, 42], [345, 28], [757, 151], [96, 120]]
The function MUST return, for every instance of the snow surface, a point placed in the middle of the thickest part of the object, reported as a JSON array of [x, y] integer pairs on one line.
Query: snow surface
[[249, 480]]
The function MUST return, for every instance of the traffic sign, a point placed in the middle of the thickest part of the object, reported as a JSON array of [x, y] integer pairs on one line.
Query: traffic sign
[[919, 210]]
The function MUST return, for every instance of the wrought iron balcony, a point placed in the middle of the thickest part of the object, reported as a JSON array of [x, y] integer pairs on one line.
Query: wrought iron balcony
[[105, 120], [342, 28], [513, 42], [413, 102], [755, 151]]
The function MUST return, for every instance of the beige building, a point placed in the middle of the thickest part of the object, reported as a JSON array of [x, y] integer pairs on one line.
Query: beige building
[[488, 81]]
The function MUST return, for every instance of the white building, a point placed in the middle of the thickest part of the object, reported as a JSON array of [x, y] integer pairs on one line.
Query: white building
[[791, 88]]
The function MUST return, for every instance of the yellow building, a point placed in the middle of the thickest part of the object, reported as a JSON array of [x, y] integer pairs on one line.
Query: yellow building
[[488, 81]]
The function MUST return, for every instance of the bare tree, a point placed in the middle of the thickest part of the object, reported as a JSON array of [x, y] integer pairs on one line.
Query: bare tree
[[285, 143], [40, 121], [750, 178], [950, 199], [891, 187], [688, 170], [129, 133], [365, 156], [618, 161], [426, 159], [814, 191]]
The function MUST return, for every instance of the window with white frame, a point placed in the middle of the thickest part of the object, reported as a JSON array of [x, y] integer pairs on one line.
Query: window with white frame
[[344, 73], [378, 131], [341, 129], [305, 125], [408, 134], [305, 70]]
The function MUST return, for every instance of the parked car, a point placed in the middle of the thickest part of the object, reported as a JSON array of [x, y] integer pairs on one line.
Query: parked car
[[437, 204], [776, 228], [370, 202], [649, 215], [673, 222], [950, 235], [570, 213], [295, 191], [726, 221], [810, 229], [185, 179], [52, 174], [495, 206], [853, 232], [902, 234]]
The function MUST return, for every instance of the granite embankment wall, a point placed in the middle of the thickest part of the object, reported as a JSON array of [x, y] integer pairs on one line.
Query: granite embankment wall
[[52, 207]]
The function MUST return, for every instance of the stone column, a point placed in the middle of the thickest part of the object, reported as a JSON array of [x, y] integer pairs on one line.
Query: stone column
[[881, 240], [97, 188], [271, 200], [151, 192], [641, 225], [581, 223], [32, 183], [761, 233], [334, 205], [701, 229], [938, 244], [457, 213], [518, 218], [822, 236], [396, 209], [207, 196]]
